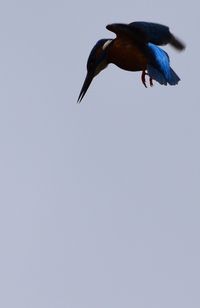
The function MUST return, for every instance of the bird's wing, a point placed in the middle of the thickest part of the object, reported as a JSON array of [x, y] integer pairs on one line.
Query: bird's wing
[[145, 32], [158, 66], [126, 31]]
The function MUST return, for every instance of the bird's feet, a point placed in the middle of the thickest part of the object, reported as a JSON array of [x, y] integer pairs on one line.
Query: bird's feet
[[144, 80]]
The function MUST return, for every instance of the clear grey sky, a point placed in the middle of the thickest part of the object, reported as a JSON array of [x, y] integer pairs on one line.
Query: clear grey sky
[[99, 202]]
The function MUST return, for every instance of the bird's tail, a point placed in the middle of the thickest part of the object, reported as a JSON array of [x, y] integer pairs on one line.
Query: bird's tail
[[164, 78]]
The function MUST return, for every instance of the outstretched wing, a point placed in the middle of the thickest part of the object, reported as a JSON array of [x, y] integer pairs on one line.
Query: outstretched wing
[[145, 32], [129, 32], [157, 34]]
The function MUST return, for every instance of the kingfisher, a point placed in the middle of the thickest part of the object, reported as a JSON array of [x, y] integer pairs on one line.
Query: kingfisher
[[135, 48]]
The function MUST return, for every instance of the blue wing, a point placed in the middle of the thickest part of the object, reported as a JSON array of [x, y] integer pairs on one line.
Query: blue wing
[[157, 34], [158, 66], [143, 32]]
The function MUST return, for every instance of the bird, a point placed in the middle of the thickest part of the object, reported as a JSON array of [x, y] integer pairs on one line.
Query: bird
[[135, 48]]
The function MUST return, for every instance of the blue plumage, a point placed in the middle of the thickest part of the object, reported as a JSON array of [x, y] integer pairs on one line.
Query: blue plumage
[[158, 66], [93, 54], [135, 48], [155, 33]]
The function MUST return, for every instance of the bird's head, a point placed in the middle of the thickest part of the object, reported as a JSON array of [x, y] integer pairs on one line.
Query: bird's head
[[97, 61]]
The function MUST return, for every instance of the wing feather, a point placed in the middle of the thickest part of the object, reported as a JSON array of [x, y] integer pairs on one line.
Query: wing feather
[[144, 32]]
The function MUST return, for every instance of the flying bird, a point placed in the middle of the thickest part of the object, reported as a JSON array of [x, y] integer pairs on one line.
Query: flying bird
[[135, 48]]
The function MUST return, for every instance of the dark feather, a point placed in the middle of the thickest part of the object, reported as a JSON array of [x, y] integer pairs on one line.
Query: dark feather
[[144, 32]]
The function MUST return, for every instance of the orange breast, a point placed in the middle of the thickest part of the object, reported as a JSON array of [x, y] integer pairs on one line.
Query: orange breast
[[127, 55]]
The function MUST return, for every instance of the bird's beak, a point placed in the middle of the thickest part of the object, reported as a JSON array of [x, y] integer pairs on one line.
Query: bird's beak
[[86, 84]]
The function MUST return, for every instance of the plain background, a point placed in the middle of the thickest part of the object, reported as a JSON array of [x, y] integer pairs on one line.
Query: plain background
[[99, 202]]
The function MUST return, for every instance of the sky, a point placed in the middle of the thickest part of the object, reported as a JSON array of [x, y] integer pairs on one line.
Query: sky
[[100, 201]]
